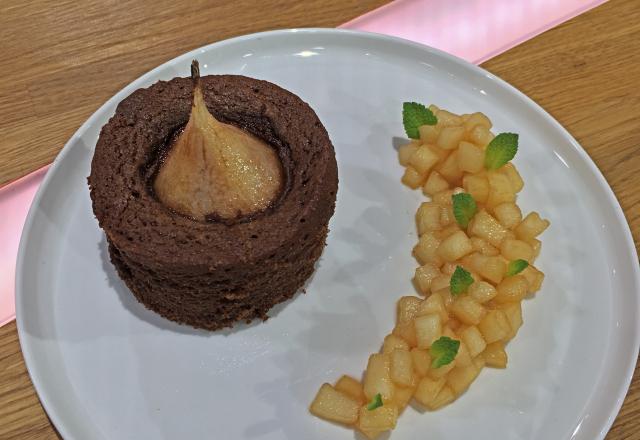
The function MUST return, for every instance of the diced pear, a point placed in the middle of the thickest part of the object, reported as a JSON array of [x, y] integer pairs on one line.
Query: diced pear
[[424, 276], [477, 186], [534, 278], [335, 406], [494, 326], [422, 160], [513, 313], [470, 157], [351, 387], [435, 183], [377, 379], [500, 190], [428, 390], [444, 397], [480, 135], [455, 247], [428, 217], [393, 342], [531, 226], [448, 119], [511, 289], [403, 396], [460, 378], [426, 251], [482, 291], [450, 137], [407, 331], [434, 304], [495, 356], [474, 340], [485, 226], [378, 420], [450, 170], [477, 119], [407, 308], [428, 329], [412, 178], [406, 151], [516, 250], [421, 361], [468, 310], [514, 177], [401, 368], [508, 214], [428, 133]]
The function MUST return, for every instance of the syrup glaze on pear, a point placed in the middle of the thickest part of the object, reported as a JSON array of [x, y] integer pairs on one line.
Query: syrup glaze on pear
[[216, 170]]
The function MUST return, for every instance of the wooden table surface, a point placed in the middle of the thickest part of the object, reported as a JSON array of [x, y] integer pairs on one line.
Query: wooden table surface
[[62, 60]]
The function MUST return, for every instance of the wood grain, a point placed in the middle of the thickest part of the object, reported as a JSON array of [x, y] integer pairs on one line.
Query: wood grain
[[62, 61]]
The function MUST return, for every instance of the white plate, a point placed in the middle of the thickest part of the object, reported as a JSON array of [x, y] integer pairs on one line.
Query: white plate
[[106, 368]]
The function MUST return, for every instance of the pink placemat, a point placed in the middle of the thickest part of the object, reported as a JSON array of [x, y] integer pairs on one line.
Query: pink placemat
[[15, 200], [475, 30]]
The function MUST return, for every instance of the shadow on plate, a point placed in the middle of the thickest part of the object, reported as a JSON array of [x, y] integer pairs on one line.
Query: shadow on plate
[[136, 308]]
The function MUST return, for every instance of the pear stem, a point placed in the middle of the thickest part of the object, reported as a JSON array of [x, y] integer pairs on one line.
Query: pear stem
[[195, 70]]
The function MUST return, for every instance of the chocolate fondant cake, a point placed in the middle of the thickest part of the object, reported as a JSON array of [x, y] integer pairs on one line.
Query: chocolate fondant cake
[[214, 272]]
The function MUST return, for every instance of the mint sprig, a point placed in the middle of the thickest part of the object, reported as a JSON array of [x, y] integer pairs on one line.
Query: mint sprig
[[464, 208], [516, 266], [500, 150], [376, 402], [443, 351], [414, 115], [460, 281]]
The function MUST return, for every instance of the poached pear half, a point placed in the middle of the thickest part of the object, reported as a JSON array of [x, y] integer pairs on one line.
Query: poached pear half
[[216, 170]]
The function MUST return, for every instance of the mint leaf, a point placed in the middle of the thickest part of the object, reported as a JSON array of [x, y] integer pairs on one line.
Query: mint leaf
[[460, 281], [376, 402], [516, 266], [443, 351], [500, 150], [414, 115], [464, 208]]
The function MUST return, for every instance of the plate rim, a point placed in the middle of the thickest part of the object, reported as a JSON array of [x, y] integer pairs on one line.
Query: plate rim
[[625, 229]]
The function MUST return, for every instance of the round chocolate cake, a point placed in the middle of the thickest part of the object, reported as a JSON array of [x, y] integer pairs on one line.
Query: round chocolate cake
[[213, 271]]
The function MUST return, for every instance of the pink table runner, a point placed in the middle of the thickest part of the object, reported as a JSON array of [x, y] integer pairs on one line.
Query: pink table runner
[[475, 30]]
